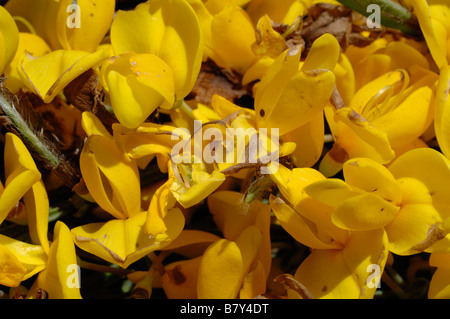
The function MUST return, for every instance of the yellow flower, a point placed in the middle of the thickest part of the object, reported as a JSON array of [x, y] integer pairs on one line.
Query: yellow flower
[[235, 266], [379, 119], [156, 65], [9, 39], [137, 85], [337, 266], [409, 203]]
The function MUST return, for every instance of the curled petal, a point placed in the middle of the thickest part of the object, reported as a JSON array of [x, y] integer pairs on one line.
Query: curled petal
[[123, 242], [111, 179], [57, 279], [61, 67]]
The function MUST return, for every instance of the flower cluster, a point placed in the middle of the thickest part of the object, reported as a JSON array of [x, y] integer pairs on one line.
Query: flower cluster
[[223, 149]]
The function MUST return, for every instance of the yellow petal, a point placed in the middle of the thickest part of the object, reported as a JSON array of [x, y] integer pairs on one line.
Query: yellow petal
[[32, 257], [111, 179], [220, 271], [47, 75], [301, 229], [83, 30], [331, 191], [272, 84], [41, 15], [123, 242], [268, 42], [254, 283], [343, 274], [11, 270], [364, 212], [160, 204], [440, 284], [37, 204], [309, 141], [21, 173], [303, 97], [170, 30], [203, 185], [412, 117], [370, 176], [361, 138], [57, 279], [137, 85], [414, 229], [435, 177], [442, 111], [324, 54], [9, 39], [232, 35], [427, 25], [92, 125], [34, 45]]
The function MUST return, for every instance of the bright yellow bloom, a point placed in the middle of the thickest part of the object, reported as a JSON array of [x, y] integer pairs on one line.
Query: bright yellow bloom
[[379, 119], [409, 203], [337, 266], [156, 65], [236, 266], [9, 39]]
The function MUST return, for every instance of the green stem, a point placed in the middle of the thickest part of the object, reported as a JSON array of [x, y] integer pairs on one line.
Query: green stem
[[27, 133], [393, 15]]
